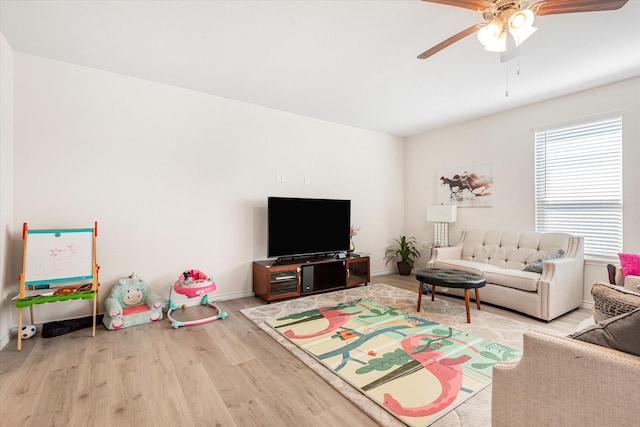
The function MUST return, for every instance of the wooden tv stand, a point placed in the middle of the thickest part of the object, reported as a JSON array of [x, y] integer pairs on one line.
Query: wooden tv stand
[[294, 278]]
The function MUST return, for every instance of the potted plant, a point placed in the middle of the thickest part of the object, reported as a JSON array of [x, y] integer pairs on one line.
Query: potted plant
[[404, 252]]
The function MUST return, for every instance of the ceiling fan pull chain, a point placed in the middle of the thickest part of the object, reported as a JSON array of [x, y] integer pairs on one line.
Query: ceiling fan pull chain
[[506, 77]]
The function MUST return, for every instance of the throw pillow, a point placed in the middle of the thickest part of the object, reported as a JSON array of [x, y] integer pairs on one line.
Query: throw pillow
[[620, 333], [536, 266], [611, 300], [630, 264]]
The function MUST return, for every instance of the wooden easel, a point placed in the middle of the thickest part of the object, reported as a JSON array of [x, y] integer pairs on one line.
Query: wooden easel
[[58, 265]]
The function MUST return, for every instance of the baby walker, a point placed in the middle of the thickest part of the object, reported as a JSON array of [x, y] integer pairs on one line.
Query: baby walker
[[194, 283]]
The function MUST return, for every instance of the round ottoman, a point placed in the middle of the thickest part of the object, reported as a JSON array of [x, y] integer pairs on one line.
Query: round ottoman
[[450, 278]]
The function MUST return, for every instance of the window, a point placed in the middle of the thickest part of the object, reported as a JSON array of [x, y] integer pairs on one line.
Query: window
[[579, 183]]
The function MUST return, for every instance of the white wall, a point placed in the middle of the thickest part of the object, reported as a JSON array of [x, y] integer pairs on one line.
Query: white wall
[[179, 179], [506, 142], [6, 187]]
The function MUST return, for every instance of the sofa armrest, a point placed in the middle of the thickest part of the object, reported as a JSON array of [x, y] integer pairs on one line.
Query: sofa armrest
[[631, 283], [561, 286], [446, 252], [561, 381]]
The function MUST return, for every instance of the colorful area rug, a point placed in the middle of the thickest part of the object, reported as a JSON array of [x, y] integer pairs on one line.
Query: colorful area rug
[[474, 412], [416, 369]]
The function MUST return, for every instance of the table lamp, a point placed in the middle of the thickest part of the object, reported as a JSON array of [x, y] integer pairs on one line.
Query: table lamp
[[441, 216]]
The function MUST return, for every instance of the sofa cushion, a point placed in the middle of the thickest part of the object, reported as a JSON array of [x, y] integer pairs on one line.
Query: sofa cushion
[[536, 266], [611, 300], [621, 332], [511, 250], [460, 264], [517, 279], [582, 326], [630, 264]]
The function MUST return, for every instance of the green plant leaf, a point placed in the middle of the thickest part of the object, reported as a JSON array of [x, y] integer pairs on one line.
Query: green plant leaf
[[404, 249], [489, 355], [301, 315], [396, 358]]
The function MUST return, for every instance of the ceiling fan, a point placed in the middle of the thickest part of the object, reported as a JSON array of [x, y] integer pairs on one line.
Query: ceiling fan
[[508, 23]]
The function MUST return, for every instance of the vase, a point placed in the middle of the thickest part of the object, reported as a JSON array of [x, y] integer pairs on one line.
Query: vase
[[404, 268], [352, 247]]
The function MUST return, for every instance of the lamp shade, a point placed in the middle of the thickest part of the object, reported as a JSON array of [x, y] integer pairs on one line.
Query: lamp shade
[[441, 213]]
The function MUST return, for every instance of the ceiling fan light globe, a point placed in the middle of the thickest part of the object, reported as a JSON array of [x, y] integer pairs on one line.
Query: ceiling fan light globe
[[499, 44], [520, 21], [496, 48], [490, 33]]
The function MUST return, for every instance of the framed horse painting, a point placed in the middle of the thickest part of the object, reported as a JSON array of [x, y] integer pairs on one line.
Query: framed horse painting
[[465, 186]]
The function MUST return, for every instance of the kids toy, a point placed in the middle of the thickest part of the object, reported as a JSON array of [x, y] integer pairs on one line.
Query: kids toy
[[28, 331], [194, 283], [131, 302]]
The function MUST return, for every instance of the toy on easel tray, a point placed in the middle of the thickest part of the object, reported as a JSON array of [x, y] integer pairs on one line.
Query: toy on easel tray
[[194, 283]]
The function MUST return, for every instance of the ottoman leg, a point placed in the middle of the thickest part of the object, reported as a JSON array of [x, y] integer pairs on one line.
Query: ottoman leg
[[466, 303], [478, 298], [419, 295], [433, 292]]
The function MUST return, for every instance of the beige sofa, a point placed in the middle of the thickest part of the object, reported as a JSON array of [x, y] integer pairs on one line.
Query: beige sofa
[[560, 381], [501, 256]]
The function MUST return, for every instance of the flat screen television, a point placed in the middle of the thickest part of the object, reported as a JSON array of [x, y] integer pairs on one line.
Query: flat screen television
[[302, 226]]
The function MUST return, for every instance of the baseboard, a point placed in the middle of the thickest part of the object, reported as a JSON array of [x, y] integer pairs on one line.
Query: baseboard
[[587, 304], [235, 295], [6, 339], [384, 272], [180, 300]]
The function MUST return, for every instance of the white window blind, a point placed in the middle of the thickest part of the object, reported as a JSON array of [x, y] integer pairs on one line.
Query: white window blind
[[579, 183]]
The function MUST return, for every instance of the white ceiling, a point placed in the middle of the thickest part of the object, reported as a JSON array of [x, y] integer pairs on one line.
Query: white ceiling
[[349, 62]]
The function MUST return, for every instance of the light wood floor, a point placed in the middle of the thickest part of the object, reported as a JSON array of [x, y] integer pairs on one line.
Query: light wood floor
[[227, 373]]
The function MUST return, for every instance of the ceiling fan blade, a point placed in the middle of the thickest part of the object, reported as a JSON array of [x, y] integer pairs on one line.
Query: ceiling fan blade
[[476, 5], [451, 40], [554, 7]]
